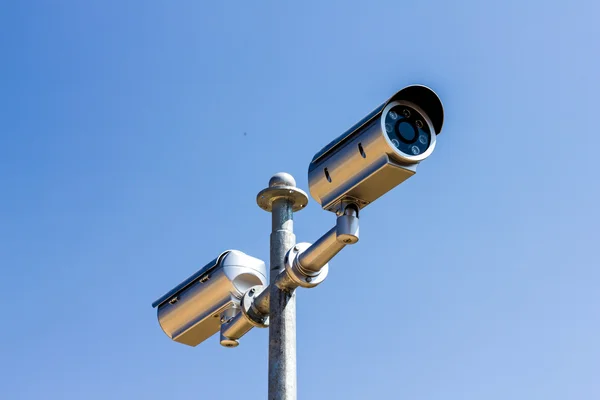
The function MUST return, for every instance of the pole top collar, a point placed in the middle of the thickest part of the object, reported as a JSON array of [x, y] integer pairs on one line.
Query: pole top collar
[[282, 186]]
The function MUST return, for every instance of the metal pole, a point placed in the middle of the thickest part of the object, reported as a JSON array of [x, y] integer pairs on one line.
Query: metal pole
[[281, 198], [282, 317]]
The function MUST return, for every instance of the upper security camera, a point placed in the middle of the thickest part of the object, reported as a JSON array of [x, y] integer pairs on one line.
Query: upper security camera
[[194, 310], [379, 152]]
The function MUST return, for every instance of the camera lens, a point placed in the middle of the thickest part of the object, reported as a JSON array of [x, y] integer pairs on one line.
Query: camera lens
[[407, 131]]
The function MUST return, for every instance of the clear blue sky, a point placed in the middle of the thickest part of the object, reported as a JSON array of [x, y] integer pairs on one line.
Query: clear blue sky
[[124, 167]]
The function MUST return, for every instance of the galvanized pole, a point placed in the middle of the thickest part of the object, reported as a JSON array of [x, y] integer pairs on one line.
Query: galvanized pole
[[282, 198]]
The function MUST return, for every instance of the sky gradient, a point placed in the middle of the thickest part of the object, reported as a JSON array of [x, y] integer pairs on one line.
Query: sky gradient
[[135, 136]]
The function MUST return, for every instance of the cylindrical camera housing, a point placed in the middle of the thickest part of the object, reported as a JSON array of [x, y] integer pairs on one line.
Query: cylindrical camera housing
[[190, 313], [379, 152]]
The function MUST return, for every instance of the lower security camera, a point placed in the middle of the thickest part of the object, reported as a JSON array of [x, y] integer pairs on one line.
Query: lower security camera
[[191, 312], [379, 152]]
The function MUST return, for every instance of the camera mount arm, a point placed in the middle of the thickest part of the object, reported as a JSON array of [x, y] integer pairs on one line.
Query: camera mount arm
[[306, 266], [327, 246]]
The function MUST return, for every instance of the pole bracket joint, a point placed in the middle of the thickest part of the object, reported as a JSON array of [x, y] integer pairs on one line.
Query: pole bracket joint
[[298, 275], [249, 309]]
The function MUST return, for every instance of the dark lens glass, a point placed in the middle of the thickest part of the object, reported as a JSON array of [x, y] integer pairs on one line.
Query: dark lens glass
[[407, 131]]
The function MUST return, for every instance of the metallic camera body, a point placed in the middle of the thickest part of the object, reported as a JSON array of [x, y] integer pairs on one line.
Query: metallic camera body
[[363, 164], [192, 311]]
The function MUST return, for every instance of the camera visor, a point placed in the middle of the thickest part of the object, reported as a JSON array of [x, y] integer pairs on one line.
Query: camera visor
[[407, 130]]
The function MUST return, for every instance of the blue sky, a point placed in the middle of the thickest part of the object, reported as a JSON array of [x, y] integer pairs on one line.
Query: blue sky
[[124, 168]]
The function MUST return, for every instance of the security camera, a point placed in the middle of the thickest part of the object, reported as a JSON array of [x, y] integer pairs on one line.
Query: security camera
[[195, 309], [379, 152]]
